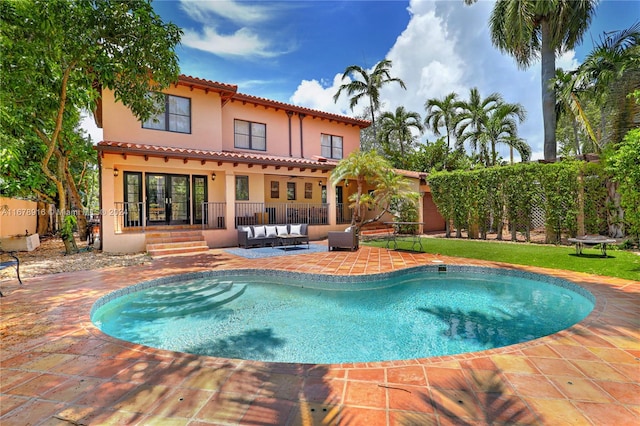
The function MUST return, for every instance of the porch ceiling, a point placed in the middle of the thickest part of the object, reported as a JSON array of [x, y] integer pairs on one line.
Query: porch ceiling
[[185, 154]]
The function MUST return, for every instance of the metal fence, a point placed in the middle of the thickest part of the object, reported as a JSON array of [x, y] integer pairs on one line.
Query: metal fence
[[128, 215], [270, 213], [213, 215]]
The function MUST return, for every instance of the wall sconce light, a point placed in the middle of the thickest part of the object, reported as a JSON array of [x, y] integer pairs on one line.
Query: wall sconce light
[[346, 183], [116, 172], [320, 183], [213, 176]]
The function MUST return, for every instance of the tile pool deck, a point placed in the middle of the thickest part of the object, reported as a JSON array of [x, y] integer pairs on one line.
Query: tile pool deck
[[56, 368]]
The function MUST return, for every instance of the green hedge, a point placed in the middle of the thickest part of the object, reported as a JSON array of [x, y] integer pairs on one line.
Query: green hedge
[[487, 198]]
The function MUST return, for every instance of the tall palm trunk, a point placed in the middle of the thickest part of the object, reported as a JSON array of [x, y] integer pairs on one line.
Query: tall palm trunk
[[548, 57]]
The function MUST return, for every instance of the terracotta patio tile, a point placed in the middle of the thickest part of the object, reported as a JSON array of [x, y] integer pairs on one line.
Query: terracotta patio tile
[[556, 367], [316, 389], [10, 402], [13, 378], [313, 413], [409, 398], [142, 399], [38, 385], [72, 388], [207, 379], [599, 370], [32, 412], [606, 414], [625, 393], [282, 386], [270, 411], [613, 355], [366, 374], [105, 394], [575, 352], [224, 407], [182, 402], [533, 385], [455, 404], [505, 409], [403, 418], [514, 364], [446, 378], [560, 410], [580, 389], [540, 351], [413, 375], [365, 394], [359, 416]]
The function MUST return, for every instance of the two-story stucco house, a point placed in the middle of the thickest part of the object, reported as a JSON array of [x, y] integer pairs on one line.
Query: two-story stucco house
[[217, 159]]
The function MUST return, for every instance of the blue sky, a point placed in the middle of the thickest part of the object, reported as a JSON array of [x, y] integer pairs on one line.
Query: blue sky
[[296, 51]]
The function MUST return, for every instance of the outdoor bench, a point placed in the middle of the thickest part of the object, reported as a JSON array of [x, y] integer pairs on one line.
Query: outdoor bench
[[263, 235]]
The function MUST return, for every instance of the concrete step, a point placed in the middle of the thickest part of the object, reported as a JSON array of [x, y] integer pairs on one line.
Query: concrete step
[[177, 250]]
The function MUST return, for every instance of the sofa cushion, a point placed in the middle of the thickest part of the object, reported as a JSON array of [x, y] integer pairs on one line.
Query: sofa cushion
[[271, 231], [247, 229], [282, 229], [259, 231], [296, 229]]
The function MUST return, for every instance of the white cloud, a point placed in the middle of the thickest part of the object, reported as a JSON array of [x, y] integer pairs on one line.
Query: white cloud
[[232, 29], [314, 94], [446, 48], [242, 43], [242, 13]]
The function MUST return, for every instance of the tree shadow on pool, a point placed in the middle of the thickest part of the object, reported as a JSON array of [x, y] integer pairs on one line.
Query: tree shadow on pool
[[497, 330], [251, 344]]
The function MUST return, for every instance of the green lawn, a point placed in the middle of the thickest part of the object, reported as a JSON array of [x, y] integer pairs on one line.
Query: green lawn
[[619, 263]]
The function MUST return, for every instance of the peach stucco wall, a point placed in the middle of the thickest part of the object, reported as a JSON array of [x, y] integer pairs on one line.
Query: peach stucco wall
[[17, 217], [120, 125]]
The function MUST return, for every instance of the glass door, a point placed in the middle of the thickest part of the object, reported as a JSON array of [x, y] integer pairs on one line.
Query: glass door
[[167, 199], [178, 199], [157, 199]]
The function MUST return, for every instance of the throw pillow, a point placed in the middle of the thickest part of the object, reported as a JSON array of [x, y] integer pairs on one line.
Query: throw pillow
[[259, 231], [348, 229], [282, 229], [271, 231], [247, 230], [296, 229]]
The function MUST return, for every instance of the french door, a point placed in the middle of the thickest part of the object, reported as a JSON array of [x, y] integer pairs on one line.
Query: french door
[[167, 199]]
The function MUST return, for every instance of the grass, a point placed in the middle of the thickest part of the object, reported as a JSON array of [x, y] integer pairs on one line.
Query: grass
[[618, 263]]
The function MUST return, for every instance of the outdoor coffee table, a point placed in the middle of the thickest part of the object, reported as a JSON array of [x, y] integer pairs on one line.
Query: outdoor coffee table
[[590, 241], [289, 240]]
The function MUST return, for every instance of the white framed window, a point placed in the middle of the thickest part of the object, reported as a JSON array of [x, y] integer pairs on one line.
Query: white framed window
[[331, 146], [175, 116], [250, 135]]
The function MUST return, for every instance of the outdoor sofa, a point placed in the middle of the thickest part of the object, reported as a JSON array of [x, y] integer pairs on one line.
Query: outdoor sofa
[[263, 235], [347, 239]]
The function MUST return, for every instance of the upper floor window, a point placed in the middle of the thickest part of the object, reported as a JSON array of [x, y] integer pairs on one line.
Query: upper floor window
[[249, 135], [176, 116], [331, 146]]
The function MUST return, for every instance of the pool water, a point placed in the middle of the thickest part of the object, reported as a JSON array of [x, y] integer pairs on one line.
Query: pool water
[[411, 315]]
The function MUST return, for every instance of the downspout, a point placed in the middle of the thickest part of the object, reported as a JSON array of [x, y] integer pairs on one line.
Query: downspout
[[301, 116], [289, 114]]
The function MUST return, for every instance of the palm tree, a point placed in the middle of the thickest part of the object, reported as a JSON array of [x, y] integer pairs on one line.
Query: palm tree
[[610, 73], [471, 120], [528, 29], [368, 85], [442, 113], [370, 168], [501, 127], [398, 126]]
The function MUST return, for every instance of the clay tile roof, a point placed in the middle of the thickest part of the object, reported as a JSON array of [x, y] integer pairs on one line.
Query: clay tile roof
[[300, 109], [206, 84], [235, 156]]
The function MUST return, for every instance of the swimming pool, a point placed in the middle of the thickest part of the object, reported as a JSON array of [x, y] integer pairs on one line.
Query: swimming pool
[[304, 318]]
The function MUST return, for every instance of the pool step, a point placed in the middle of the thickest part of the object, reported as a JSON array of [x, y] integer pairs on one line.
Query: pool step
[[229, 293], [179, 298]]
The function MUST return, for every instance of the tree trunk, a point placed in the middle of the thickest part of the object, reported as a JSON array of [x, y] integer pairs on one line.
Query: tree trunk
[[615, 217], [44, 218], [77, 201], [548, 57]]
